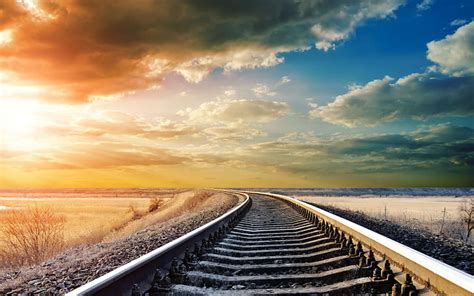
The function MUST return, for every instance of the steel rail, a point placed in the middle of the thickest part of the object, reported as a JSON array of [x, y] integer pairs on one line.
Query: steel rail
[[141, 270], [437, 275]]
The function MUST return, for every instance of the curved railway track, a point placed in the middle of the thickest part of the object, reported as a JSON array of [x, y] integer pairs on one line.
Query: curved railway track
[[275, 245]]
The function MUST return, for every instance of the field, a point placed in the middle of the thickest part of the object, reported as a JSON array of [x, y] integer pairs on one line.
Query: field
[[436, 214], [88, 216]]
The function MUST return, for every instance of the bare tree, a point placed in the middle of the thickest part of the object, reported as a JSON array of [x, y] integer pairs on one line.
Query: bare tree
[[31, 236], [467, 216]]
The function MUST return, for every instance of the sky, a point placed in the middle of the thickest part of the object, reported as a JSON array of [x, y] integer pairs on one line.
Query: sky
[[263, 93]]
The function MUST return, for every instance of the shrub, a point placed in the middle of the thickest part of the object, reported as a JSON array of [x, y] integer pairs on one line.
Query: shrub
[[135, 213], [155, 204], [31, 236]]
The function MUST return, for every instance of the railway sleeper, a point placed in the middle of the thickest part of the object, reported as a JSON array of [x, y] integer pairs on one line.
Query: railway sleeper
[[276, 240], [245, 247], [276, 252], [358, 286], [288, 268], [325, 254], [274, 233], [278, 225], [297, 226], [202, 279], [275, 230], [287, 225], [287, 236]]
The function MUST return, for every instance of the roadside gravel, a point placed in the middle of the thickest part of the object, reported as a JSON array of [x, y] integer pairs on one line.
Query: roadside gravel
[[80, 265], [450, 251]]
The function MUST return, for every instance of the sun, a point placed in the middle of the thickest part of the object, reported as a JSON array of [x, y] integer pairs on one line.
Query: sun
[[18, 118]]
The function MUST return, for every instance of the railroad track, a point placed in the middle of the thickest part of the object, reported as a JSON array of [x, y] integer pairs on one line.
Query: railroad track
[[275, 245]]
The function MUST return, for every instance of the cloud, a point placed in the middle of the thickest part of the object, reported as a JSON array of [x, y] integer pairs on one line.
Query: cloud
[[428, 150], [119, 123], [263, 90], [236, 112], [340, 25], [455, 53], [233, 120], [424, 5], [443, 146], [101, 155], [416, 96], [230, 92], [458, 22], [284, 80], [78, 50], [10, 13], [232, 133]]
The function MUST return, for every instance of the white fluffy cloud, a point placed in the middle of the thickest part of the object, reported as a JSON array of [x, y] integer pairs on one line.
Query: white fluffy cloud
[[328, 36], [233, 120], [455, 53], [416, 96], [197, 69], [262, 90], [340, 24], [116, 123], [236, 111]]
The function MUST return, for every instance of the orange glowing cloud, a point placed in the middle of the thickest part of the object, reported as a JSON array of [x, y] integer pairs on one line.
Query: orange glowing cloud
[[78, 51]]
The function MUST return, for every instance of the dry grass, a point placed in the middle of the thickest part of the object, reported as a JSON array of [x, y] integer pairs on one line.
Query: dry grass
[[181, 204], [30, 236], [87, 219], [439, 215]]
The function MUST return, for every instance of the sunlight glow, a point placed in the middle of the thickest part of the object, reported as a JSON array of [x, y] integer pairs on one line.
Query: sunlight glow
[[6, 36], [33, 7], [18, 117]]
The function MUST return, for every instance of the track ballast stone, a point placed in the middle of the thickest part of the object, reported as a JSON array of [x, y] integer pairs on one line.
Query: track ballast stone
[[454, 252]]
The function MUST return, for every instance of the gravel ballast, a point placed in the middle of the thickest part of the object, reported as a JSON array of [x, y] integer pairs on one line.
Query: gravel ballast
[[454, 252], [80, 265]]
